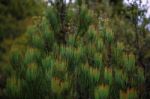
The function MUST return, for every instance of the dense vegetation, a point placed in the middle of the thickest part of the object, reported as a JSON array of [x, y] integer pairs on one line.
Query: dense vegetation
[[83, 50], [13, 12]]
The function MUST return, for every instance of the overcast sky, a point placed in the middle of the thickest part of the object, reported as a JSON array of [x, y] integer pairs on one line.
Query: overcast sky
[[145, 4]]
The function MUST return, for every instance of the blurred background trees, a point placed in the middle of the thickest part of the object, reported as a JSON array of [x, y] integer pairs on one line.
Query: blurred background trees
[[15, 16], [13, 12]]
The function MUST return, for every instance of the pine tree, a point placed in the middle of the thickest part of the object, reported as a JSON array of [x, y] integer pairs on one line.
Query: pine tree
[[91, 64]]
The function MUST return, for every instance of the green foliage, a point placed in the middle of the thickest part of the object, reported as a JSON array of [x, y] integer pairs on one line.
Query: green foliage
[[47, 63], [85, 18], [37, 41], [90, 64], [108, 75], [140, 76], [117, 53], [53, 19], [120, 78], [130, 94], [31, 73], [98, 60], [91, 35], [13, 12], [32, 55], [48, 35], [129, 62], [14, 87], [71, 40], [90, 75], [58, 86], [16, 60], [100, 45], [102, 92]]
